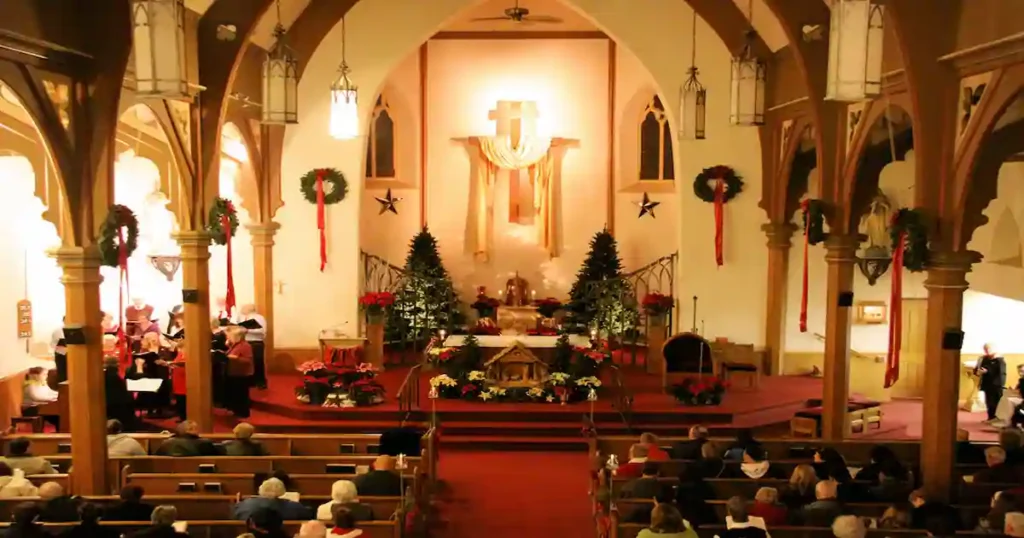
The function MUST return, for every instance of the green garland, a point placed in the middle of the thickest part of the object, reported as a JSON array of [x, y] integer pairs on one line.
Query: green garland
[[221, 207], [705, 191], [335, 185], [118, 217], [915, 246], [813, 221]]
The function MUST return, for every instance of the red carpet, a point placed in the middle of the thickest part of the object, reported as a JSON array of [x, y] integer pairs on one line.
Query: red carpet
[[514, 495]]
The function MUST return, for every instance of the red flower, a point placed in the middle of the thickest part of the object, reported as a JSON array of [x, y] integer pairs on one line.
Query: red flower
[[466, 389], [560, 391], [381, 299], [657, 303]]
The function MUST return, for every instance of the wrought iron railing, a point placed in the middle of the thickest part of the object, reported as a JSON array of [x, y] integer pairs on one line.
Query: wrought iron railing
[[622, 398], [409, 395]]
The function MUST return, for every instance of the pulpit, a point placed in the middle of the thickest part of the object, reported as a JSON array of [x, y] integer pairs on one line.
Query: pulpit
[[332, 341]]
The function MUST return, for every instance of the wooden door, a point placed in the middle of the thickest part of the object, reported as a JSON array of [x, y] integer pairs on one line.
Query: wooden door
[[912, 372]]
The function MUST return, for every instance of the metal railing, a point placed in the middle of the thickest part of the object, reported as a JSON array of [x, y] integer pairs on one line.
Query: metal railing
[[622, 398], [409, 395]]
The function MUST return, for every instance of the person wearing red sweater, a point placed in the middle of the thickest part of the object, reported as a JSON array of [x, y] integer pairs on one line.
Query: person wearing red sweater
[[239, 372], [766, 506], [634, 468], [178, 382], [654, 452]]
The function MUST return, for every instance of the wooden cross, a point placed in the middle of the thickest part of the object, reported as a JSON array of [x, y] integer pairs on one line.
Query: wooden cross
[[515, 119]]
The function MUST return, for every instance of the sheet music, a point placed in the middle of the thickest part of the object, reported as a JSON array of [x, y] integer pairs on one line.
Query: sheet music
[[144, 384]]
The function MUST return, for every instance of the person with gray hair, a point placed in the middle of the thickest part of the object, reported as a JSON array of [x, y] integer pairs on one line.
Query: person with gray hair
[[312, 529], [739, 524], [997, 471], [849, 527], [690, 449], [825, 509], [270, 497], [165, 524], [187, 442]]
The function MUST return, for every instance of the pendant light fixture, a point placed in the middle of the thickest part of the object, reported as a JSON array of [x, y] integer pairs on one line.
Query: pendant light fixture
[[855, 50], [749, 75], [344, 100], [693, 96], [280, 80], [158, 34]]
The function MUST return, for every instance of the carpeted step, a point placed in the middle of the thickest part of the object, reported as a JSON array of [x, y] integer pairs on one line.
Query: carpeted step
[[513, 444]]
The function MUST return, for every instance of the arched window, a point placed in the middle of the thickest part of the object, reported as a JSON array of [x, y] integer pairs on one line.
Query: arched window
[[656, 161], [380, 147]]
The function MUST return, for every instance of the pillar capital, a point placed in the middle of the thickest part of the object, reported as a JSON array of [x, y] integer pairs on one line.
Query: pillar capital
[[779, 234], [192, 238], [948, 270], [262, 233], [81, 265], [842, 248]]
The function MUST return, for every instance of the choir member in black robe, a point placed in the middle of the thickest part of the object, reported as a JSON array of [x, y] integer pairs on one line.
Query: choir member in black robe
[[992, 369], [219, 359], [149, 364], [120, 404]]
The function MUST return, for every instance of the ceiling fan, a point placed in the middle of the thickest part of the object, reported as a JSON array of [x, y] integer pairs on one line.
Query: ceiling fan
[[520, 15]]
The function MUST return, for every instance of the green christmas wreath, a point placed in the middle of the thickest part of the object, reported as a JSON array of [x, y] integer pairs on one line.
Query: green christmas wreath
[[915, 246], [335, 185], [118, 217], [221, 207], [814, 221], [704, 189]]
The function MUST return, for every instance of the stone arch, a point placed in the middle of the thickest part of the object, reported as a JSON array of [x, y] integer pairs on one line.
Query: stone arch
[[49, 185], [1005, 245], [248, 188]]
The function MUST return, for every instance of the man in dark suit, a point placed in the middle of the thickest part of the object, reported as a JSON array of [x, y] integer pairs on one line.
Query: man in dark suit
[[690, 449], [647, 486], [997, 472], [992, 369], [382, 481]]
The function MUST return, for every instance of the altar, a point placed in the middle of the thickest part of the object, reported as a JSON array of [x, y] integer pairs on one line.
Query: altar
[[542, 347]]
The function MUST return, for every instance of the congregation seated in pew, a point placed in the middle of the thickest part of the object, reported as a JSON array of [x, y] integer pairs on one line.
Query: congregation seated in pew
[[344, 493], [187, 442], [272, 496], [131, 507], [19, 456], [13, 483], [120, 443]]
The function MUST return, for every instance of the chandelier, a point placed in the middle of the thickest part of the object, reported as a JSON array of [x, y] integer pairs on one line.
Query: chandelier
[[344, 100], [280, 80], [855, 50], [748, 77], [158, 34], [693, 97]]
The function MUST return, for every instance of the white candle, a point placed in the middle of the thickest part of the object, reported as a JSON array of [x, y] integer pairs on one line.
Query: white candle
[[533, 293], [500, 293]]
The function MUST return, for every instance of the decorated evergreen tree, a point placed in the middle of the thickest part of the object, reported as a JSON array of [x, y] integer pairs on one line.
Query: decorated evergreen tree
[[563, 354], [425, 300], [599, 293]]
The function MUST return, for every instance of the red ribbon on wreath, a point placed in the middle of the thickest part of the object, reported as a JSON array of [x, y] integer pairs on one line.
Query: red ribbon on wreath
[[719, 221], [320, 217], [892, 360], [122, 290], [803, 292], [225, 223]]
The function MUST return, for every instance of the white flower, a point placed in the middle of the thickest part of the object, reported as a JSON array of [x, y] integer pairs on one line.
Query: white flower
[[558, 378], [442, 380], [589, 381], [485, 395], [550, 398], [475, 375], [497, 391], [535, 392]]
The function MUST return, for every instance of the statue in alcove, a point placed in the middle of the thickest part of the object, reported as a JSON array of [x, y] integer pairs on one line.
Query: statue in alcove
[[878, 221]]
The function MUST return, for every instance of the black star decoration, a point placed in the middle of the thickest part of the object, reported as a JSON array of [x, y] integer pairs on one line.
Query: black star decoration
[[647, 207], [387, 203]]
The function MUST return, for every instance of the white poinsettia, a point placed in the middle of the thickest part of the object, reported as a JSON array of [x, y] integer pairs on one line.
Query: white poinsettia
[[475, 375], [550, 398], [442, 381], [435, 351], [558, 378], [589, 381], [486, 395], [535, 392], [497, 391]]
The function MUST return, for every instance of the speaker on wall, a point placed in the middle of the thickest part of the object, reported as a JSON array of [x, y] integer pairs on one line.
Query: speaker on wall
[[952, 339], [846, 298]]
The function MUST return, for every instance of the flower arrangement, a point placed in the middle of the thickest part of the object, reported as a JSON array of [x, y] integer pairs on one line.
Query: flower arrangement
[[542, 331], [441, 355], [485, 326], [376, 303], [700, 391], [339, 386], [548, 306], [485, 306], [656, 304]]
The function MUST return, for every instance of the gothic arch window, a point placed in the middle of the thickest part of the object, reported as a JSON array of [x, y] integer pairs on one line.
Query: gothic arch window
[[380, 147], [656, 162]]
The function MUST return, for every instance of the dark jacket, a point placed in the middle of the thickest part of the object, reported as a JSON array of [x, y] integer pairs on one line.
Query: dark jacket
[[968, 453], [796, 499], [26, 531], [379, 484], [995, 376], [128, 511], [999, 474], [835, 471], [889, 490], [59, 509], [187, 445], [644, 488], [820, 513], [691, 499], [743, 532], [920, 516], [92, 530], [289, 510], [711, 468], [688, 450], [244, 447], [159, 531]]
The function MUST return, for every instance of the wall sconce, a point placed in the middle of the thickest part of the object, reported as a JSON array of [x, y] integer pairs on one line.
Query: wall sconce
[[872, 313], [166, 265], [874, 263]]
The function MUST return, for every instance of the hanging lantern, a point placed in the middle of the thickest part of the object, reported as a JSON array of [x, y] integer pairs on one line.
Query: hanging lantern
[[280, 82], [158, 28], [855, 50], [748, 77], [344, 107], [693, 97]]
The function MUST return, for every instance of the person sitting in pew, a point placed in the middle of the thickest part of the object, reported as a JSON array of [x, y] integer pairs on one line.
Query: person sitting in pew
[[800, 489], [270, 496], [692, 495], [925, 510], [382, 481], [756, 465], [119, 402], [997, 472], [647, 486], [25, 523], [56, 506], [829, 464], [968, 453], [895, 517], [14, 484], [37, 393], [311, 529], [691, 448], [654, 452], [266, 523], [642, 513], [1014, 526], [1011, 440], [744, 440], [848, 527], [165, 524], [667, 522], [881, 455], [186, 442], [120, 444], [891, 484], [344, 523], [89, 515], [635, 465], [242, 444], [710, 464], [739, 523], [130, 507], [993, 521], [767, 507], [19, 457], [825, 509], [940, 527], [344, 493]]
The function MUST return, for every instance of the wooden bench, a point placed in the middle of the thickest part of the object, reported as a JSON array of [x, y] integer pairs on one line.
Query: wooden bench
[[214, 507], [630, 530], [675, 467], [851, 449], [231, 529], [63, 479], [861, 415], [236, 483], [872, 510]]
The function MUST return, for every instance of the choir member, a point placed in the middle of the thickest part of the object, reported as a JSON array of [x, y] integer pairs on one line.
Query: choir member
[[992, 369], [147, 364], [256, 325], [239, 371], [223, 312], [120, 404], [137, 318], [60, 352], [218, 347], [178, 382], [175, 321], [107, 323]]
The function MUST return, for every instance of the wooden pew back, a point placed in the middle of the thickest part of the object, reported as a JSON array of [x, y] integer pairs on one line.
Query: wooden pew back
[[630, 530], [232, 484], [231, 529], [46, 444], [851, 449], [870, 510]]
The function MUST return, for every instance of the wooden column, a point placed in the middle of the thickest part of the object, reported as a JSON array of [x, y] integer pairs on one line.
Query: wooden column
[[779, 234], [263, 279], [88, 408], [841, 257], [195, 270], [946, 283]]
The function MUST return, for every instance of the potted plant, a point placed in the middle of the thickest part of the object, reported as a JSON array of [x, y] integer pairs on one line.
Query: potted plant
[[485, 306], [700, 391], [657, 306], [375, 304], [547, 307]]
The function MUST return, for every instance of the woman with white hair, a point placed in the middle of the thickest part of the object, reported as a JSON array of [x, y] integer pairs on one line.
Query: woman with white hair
[[849, 527], [270, 497], [343, 492]]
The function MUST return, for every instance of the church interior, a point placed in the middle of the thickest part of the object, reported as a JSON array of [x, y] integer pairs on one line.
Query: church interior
[[692, 267]]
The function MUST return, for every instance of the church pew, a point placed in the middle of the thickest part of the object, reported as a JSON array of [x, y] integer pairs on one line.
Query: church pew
[[212, 507], [851, 449], [238, 483], [675, 467], [872, 510], [231, 529], [63, 479], [630, 530], [45, 444]]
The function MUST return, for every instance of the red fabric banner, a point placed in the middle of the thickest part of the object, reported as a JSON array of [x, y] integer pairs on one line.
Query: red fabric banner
[[803, 291], [719, 221], [122, 290], [892, 361], [229, 295], [320, 218]]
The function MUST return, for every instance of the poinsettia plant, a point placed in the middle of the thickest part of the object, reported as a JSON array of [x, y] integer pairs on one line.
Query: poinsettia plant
[[485, 306], [375, 303], [548, 306], [339, 385], [657, 304], [706, 390]]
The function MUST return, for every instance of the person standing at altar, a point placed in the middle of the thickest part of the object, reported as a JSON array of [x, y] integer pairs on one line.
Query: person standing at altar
[[256, 331], [992, 371], [137, 318], [60, 352], [239, 372]]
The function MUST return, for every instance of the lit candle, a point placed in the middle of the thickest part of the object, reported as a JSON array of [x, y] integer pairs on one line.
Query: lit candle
[[593, 334], [442, 333], [500, 293], [533, 294]]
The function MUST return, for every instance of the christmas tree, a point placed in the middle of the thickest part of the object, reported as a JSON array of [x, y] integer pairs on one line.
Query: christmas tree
[[425, 300], [599, 293]]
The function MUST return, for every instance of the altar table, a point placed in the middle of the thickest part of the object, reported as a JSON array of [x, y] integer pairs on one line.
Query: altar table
[[541, 346]]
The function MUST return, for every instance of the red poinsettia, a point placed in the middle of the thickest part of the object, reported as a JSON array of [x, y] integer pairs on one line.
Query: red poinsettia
[[376, 302], [548, 306], [656, 304]]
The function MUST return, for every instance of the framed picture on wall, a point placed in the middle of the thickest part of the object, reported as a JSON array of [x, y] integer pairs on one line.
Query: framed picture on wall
[[872, 312]]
